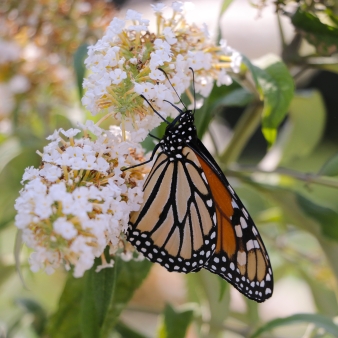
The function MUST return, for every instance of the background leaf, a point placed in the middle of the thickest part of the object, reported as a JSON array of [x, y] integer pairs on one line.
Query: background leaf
[[276, 87], [79, 67], [326, 217], [175, 323], [65, 321], [317, 33], [298, 139], [330, 168], [129, 276], [319, 320]]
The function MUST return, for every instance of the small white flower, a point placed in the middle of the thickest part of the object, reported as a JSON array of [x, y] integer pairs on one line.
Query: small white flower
[[133, 15], [54, 137], [64, 228], [156, 74], [158, 8], [223, 78], [133, 61], [102, 165], [70, 132], [51, 172], [205, 30], [137, 28], [169, 35], [92, 127], [30, 174], [117, 75], [177, 6]]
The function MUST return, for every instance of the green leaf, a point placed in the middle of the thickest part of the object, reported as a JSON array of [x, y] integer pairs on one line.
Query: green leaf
[[296, 138], [6, 272], [96, 298], [330, 168], [79, 67], [307, 106], [90, 306], [211, 105], [175, 323], [17, 249], [319, 320], [10, 178], [126, 331], [287, 200], [38, 312], [9, 149], [276, 87], [207, 289], [65, 321], [129, 277], [322, 36], [239, 97], [325, 299], [327, 218]]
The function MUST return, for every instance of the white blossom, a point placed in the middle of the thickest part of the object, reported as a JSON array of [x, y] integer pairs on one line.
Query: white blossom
[[78, 202]]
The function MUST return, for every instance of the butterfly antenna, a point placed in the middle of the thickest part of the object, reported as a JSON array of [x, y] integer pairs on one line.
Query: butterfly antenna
[[193, 87], [154, 110], [166, 75]]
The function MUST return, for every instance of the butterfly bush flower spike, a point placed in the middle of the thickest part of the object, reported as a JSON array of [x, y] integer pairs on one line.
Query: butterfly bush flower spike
[[78, 201], [128, 60]]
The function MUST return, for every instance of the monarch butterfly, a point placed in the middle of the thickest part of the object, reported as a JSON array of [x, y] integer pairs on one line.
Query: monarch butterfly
[[191, 218]]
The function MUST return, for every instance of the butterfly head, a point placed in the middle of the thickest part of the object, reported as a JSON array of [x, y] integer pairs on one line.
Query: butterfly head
[[179, 133]]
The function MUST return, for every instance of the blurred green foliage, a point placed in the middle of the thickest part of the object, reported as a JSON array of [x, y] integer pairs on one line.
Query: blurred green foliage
[[291, 192]]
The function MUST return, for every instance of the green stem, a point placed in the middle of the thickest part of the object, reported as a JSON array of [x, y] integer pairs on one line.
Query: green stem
[[305, 177], [281, 32], [244, 129]]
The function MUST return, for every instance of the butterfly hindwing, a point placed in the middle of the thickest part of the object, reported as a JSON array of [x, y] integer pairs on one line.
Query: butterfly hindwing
[[240, 256], [176, 224]]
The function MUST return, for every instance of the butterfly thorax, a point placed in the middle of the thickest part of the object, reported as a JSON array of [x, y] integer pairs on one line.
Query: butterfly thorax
[[179, 133]]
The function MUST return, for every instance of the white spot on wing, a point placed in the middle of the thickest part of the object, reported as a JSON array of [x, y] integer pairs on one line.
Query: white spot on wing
[[234, 204], [238, 230], [243, 223], [245, 213], [231, 190], [255, 232], [249, 245], [241, 257]]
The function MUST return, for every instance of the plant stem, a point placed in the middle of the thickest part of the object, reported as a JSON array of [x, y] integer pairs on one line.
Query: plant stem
[[306, 177], [244, 129], [281, 32]]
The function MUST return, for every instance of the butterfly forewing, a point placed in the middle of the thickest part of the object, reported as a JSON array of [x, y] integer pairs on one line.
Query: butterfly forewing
[[240, 256], [176, 224]]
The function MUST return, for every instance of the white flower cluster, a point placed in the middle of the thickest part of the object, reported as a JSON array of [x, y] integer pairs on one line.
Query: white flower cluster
[[79, 200], [128, 62]]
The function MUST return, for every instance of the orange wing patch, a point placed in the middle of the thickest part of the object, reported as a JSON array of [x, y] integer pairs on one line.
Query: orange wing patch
[[226, 239]]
